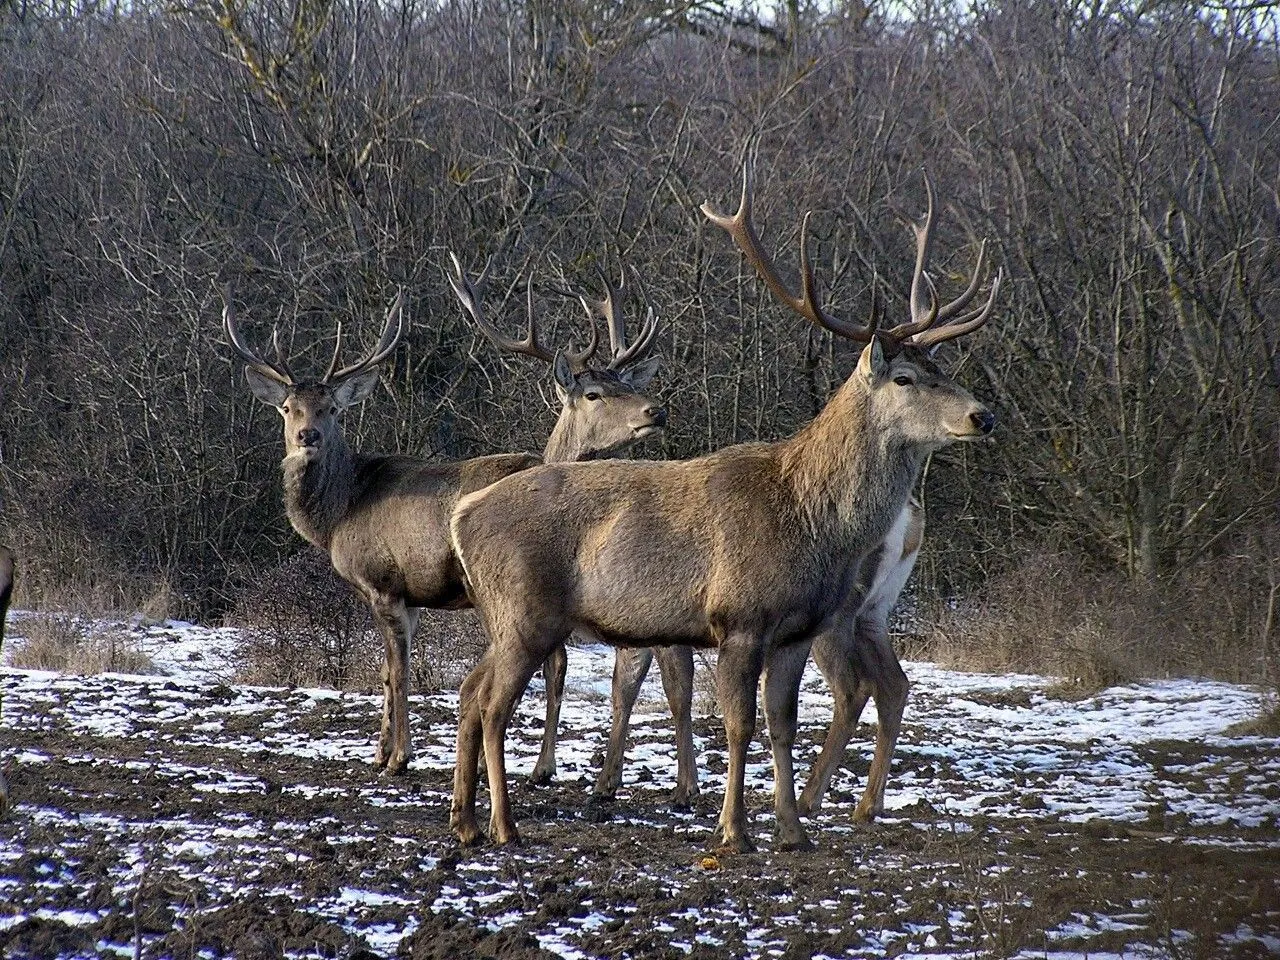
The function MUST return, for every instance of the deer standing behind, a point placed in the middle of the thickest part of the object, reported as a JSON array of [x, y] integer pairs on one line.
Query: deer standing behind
[[755, 550], [592, 401], [383, 518], [6, 594]]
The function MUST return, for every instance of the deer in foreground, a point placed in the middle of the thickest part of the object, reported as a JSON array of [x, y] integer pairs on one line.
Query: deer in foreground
[[593, 403], [383, 518], [6, 594], [754, 550]]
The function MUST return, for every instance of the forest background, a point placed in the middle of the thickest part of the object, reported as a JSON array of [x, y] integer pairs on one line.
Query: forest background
[[1123, 157]]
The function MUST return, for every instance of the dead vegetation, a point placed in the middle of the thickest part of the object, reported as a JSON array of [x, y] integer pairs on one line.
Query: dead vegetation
[[64, 643]]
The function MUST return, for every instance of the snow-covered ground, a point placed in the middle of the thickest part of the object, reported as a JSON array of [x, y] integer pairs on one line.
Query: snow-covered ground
[[993, 780]]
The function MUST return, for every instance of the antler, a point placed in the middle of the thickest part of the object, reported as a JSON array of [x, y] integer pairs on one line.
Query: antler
[[743, 231], [530, 346], [391, 332], [922, 330], [937, 324], [623, 355], [279, 372]]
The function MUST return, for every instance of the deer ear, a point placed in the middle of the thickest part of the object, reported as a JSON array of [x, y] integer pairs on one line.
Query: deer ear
[[872, 363], [269, 391], [566, 382], [355, 389], [638, 375]]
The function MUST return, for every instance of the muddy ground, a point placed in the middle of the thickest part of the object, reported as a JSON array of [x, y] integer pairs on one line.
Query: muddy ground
[[191, 819]]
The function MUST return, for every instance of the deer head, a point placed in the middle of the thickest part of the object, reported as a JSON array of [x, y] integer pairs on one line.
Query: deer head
[[310, 408], [909, 389], [602, 406]]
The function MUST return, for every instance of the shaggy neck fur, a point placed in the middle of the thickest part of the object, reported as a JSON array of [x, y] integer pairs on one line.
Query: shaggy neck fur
[[850, 474], [317, 493]]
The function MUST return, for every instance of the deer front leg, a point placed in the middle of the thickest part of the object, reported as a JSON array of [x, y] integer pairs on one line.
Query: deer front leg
[[737, 677], [630, 666], [835, 654], [554, 670], [781, 701], [396, 624], [676, 666]]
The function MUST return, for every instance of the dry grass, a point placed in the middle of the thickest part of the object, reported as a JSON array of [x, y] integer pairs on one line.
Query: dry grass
[[1050, 614], [62, 643]]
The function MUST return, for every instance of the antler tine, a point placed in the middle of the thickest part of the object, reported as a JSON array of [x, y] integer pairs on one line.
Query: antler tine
[[579, 359], [391, 332], [333, 361], [967, 324], [282, 359], [251, 359], [641, 345], [741, 229], [470, 300]]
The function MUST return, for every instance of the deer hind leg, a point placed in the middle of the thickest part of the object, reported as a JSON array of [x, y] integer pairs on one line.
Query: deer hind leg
[[836, 657], [396, 624], [737, 678], [781, 701], [880, 664], [471, 699], [509, 674], [554, 669], [676, 665], [630, 667]]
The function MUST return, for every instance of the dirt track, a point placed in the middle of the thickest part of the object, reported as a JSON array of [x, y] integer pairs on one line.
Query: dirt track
[[144, 820]]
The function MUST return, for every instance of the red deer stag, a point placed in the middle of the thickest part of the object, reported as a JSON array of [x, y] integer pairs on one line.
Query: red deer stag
[[6, 594], [593, 402], [382, 518], [754, 550]]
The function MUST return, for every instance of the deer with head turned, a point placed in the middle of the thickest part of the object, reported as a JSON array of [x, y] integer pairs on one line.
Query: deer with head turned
[[593, 402], [754, 550], [6, 594], [382, 518]]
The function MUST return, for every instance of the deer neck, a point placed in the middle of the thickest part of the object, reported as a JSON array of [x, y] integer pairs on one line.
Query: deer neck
[[850, 474], [317, 491], [567, 445]]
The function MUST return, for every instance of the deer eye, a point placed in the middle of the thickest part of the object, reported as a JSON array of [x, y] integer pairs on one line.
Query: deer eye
[[285, 408], [903, 380], [593, 395]]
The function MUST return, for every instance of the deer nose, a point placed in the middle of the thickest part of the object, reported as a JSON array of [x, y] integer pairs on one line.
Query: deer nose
[[984, 420], [657, 414], [308, 437]]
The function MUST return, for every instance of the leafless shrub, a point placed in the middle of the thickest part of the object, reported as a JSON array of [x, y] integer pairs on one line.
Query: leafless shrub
[[445, 648], [1051, 613], [65, 644], [305, 627]]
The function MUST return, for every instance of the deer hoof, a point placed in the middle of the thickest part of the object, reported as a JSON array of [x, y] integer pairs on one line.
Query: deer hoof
[[864, 814], [468, 834], [542, 776], [682, 799], [738, 843], [797, 842], [598, 809]]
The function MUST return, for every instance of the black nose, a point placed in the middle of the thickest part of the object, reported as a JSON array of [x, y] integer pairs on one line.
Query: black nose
[[308, 437], [657, 414], [984, 420]]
